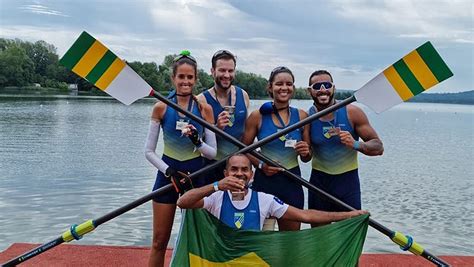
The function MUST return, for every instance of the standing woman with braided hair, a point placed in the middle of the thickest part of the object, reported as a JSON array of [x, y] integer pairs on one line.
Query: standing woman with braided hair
[[183, 148]]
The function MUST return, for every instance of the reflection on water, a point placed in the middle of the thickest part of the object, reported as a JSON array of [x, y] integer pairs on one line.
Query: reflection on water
[[65, 161]]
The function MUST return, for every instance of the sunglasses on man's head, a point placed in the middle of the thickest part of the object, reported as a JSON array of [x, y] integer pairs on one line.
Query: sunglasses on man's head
[[185, 56], [222, 53], [321, 86], [280, 69]]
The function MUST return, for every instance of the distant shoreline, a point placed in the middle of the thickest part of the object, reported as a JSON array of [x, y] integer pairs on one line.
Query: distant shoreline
[[462, 98]]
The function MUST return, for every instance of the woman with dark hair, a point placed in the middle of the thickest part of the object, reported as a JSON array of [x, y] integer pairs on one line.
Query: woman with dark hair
[[183, 148], [269, 119]]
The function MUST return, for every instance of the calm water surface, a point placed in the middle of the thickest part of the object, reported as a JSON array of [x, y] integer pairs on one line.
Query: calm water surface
[[64, 161]]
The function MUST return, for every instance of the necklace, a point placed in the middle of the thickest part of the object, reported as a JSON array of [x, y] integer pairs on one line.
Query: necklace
[[277, 114]]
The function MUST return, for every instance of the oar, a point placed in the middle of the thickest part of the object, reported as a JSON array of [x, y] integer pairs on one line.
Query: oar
[[91, 60]]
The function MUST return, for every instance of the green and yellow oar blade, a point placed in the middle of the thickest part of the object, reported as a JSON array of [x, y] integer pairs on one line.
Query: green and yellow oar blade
[[415, 73], [91, 60]]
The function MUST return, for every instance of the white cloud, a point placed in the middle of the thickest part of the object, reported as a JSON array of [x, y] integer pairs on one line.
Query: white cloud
[[40, 9], [353, 40], [60, 38], [211, 20], [439, 19]]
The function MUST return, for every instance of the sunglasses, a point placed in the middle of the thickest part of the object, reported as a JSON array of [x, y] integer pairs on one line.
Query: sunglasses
[[321, 86], [279, 69], [222, 53], [185, 54]]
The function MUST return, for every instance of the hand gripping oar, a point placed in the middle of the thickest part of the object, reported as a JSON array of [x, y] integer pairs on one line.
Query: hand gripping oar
[[91, 60]]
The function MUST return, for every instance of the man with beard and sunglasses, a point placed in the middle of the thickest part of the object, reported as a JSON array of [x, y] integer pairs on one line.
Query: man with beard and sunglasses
[[335, 144], [229, 104], [240, 207]]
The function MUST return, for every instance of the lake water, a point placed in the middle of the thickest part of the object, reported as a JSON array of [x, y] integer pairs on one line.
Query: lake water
[[64, 161]]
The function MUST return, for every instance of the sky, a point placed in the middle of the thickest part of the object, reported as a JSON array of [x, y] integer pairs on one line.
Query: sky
[[353, 39]]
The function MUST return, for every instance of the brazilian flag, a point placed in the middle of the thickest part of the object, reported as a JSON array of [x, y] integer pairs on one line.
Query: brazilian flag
[[205, 241]]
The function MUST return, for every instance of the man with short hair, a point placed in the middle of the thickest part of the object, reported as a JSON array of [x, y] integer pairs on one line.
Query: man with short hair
[[335, 144], [229, 104], [240, 207]]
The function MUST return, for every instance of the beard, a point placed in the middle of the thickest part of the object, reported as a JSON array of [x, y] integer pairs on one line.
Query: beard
[[219, 84], [323, 99]]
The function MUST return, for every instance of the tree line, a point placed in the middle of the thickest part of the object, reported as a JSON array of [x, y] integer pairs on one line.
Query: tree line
[[24, 64]]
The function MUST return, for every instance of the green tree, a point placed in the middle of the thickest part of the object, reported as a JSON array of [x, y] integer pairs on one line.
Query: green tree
[[255, 85], [148, 71], [301, 93], [16, 68], [44, 58], [205, 81], [340, 95]]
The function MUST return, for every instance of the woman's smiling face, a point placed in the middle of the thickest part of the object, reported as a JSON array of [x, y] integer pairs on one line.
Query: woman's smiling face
[[282, 87], [184, 79]]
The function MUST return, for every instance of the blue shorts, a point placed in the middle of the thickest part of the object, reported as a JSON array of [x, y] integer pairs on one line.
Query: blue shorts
[[190, 166], [281, 186], [344, 186], [214, 174]]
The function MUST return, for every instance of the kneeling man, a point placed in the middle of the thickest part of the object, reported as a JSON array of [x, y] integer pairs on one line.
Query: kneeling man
[[240, 207]]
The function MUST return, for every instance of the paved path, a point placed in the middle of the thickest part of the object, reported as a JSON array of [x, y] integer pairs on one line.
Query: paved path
[[88, 256]]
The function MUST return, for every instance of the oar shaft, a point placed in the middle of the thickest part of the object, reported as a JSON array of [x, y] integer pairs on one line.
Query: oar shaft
[[111, 215], [34, 252], [107, 217]]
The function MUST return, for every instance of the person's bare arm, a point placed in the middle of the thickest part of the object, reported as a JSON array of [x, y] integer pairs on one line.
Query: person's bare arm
[[208, 115], [194, 198], [202, 98], [252, 126], [372, 145], [317, 216], [246, 98], [303, 147]]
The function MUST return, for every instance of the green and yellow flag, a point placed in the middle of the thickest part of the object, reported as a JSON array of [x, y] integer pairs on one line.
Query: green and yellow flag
[[94, 62], [205, 241], [415, 73]]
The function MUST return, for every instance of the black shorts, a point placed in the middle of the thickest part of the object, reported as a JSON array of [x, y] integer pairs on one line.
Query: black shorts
[[190, 166], [281, 186], [344, 186]]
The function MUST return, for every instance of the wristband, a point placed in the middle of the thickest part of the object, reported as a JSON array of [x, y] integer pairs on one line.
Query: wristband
[[260, 165], [198, 144], [216, 186], [356, 145]]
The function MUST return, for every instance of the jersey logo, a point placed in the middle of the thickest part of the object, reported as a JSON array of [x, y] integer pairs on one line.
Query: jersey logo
[[330, 131], [239, 219], [278, 200]]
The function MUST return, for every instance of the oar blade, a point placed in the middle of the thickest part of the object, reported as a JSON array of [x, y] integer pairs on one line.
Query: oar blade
[[91, 60], [415, 73]]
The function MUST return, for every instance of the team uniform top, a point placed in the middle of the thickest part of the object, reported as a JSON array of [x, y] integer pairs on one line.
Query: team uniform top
[[276, 149], [236, 128], [249, 213], [177, 145], [329, 154]]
